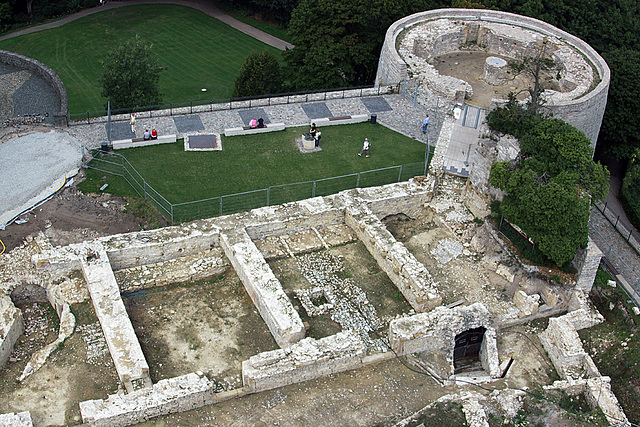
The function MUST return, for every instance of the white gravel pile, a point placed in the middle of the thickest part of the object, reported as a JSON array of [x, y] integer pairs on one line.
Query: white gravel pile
[[34, 166]]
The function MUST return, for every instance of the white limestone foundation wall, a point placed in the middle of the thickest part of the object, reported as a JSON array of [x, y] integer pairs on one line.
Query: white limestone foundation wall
[[409, 275], [305, 360], [263, 287], [119, 334], [183, 393], [11, 327]]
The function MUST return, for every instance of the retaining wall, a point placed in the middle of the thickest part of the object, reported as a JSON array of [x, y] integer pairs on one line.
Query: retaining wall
[[61, 118]]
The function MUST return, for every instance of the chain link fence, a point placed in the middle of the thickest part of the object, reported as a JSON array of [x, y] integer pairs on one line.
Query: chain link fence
[[116, 164]]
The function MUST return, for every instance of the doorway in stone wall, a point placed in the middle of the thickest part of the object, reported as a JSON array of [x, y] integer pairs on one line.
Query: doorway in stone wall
[[466, 353]]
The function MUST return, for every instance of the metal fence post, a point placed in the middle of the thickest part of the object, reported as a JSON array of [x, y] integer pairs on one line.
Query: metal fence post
[[88, 118], [400, 174], [171, 109], [629, 238], [313, 191], [191, 107], [220, 206], [268, 195], [358, 180], [616, 224], [172, 223]]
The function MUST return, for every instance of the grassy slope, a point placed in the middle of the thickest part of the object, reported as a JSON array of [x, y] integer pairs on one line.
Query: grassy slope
[[198, 51], [259, 161]]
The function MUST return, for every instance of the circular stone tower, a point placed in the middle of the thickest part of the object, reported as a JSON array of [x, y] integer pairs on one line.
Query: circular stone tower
[[464, 55]]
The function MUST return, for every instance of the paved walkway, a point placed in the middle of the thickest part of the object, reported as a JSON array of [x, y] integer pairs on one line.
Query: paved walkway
[[201, 5]]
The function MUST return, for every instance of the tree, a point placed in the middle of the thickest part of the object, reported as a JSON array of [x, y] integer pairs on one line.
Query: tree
[[619, 135], [131, 76], [550, 187], [260, 75], [337, 44]]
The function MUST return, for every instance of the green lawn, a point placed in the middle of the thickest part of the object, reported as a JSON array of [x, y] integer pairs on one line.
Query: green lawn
[[198, 51], [259, 161]]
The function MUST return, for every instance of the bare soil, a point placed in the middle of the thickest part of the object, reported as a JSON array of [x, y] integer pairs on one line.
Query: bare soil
[[72, 217]]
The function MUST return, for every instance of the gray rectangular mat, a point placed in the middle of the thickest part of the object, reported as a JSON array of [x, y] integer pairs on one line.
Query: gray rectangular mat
[[191, 123], [376, 104], [318, 110], [120, 130], [254, 113]]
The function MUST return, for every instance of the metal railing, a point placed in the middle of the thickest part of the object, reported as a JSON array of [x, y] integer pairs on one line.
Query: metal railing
[[116, 164], [617, 260], [210, 105], [625, 230]]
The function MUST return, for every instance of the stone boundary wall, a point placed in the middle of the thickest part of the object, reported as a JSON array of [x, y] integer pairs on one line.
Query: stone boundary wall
[[305, 360], [119, 334], [60, 118], [409, 275], [249, 103], [585, 112], [263, 287], [588, 263], [11, 327], [176, 394]]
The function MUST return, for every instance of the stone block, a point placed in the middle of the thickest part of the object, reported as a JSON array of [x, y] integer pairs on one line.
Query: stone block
[[20, 419], [302, 361], [11, 327], [527, 304]]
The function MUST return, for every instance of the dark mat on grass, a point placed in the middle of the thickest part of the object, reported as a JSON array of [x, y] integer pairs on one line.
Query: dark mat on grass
[[191, 123], [317, 110]]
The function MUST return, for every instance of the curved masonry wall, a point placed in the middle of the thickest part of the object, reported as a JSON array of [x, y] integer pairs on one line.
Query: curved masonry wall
[[61, 118], [584, 112]]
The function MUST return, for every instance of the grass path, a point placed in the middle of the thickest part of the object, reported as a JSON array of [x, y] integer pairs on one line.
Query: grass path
[[199, 51]]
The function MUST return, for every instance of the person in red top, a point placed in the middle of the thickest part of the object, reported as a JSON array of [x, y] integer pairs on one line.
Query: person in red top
[[154, 134]]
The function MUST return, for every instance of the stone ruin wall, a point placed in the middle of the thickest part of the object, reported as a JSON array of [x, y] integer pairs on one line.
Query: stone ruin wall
[[302, 358], [501, 33]]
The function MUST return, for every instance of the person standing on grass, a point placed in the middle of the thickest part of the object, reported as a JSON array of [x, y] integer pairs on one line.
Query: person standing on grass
[[425, 123], [365, 147]]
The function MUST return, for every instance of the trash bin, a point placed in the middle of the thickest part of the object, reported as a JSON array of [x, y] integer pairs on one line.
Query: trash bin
[[374, 118], [104, 147]]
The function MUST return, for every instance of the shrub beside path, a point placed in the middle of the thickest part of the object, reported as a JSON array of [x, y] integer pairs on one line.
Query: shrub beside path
[[204, 7]]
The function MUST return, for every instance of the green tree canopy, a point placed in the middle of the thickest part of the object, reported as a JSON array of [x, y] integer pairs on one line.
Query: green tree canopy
[[550, 187], [260, 75], [337, 44], [131, 76]]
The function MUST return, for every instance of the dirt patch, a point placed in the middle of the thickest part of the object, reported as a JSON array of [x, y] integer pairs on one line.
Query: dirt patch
[[80, 369], [73, 217], [469, 66], [209, 326]]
